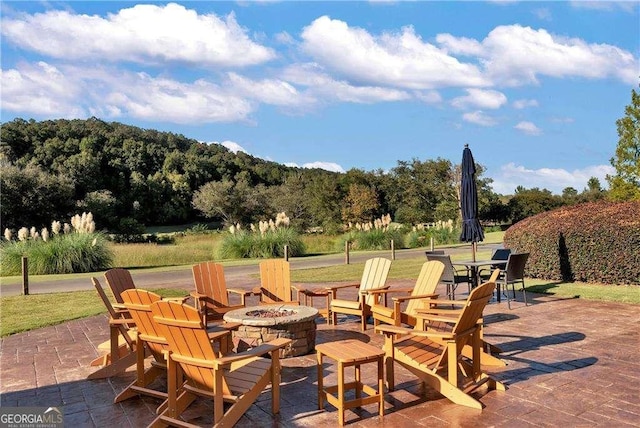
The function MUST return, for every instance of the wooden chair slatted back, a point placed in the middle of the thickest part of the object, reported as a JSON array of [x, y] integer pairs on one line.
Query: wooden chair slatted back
[[187, 337], [119, 280], [374, 276], [426, 283], [275, 281], [475, 304], [210, 281], [138, 303], [113, 314]]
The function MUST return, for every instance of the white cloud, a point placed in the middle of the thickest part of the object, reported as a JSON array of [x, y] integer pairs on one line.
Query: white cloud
[[142, 33], [232, 146], [327, 166], [528, 128], [553, 179], [429, 97], [479, 118], [543, 13], [268, 91], [284, 38], [399, 59], [562, 119], [480, 98], [627, 6], [322, 86], [145, 97], [516, 55], [521, 104], [41, 89]]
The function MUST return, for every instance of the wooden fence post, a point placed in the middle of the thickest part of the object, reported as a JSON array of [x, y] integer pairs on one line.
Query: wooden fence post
[[393, 250], [346, 252], [25, 276], [286, 253]]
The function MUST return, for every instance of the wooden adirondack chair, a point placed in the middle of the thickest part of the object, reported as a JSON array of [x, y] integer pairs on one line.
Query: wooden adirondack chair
[[374, 278], [450, 310], [138, 303], [119, 280], [151, 337], [424, 289], [235, 378], [121, 343], [436, 357], [275, 283], [212, 295]]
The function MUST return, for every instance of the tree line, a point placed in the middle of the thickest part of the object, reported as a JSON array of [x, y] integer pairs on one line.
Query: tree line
[[130, 177]]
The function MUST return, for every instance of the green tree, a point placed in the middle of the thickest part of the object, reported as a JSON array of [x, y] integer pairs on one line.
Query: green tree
[[360, 204], [625, 184], [417, 188], [33, 197], [324, 199], [527, 202], [230, 201]]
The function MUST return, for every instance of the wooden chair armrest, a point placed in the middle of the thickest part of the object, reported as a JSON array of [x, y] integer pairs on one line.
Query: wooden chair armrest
[[435, 317], [217, 334], [389, 290], [374, 290], [197, 295], [239, 291], [265, 348], [439, 311], [434, 334], [392, 329], [119, 307], [120, 321], [256, 290], [418, 296], [338, 287], [448, 302]]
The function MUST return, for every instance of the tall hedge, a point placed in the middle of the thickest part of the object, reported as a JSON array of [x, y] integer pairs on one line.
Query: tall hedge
[[595, 242]]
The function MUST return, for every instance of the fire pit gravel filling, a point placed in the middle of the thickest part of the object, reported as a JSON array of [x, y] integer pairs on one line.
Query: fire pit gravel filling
[[271, 313]]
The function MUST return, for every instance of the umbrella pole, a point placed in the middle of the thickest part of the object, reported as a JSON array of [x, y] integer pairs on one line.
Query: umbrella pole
[[473, 250]]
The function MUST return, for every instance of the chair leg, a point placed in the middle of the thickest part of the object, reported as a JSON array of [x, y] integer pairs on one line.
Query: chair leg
[[524, 293]]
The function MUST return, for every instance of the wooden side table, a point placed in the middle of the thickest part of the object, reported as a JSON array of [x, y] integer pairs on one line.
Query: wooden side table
[[320, 292], [350, 353]]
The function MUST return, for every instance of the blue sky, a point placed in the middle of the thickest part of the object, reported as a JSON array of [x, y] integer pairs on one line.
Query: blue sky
[[534, 88]]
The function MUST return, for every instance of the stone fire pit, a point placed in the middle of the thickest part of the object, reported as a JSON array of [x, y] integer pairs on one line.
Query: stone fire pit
[[264, 323]]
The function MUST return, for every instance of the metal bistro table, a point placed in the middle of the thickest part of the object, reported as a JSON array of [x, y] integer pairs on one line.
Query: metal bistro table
[[475, 269]]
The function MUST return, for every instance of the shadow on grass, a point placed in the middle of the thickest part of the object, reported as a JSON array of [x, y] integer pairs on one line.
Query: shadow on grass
[[549, 288]]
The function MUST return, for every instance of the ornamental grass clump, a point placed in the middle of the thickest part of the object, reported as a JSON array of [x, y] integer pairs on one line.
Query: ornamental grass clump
[[442, 232], [68, 248], [267, 240], [376, 235]]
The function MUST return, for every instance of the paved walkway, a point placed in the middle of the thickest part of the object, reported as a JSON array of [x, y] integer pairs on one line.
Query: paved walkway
[[569, 363]]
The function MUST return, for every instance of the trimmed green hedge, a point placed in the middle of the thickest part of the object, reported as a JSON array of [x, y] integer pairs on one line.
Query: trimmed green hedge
[[593, 242]]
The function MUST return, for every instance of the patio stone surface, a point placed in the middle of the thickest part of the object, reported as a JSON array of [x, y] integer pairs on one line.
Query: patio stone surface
[[570, 362]]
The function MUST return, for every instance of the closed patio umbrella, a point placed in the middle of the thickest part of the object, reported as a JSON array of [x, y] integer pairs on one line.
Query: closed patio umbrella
[[471, 229]]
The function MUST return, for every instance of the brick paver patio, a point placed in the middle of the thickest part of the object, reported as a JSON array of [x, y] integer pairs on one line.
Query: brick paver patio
[[570, 362]]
